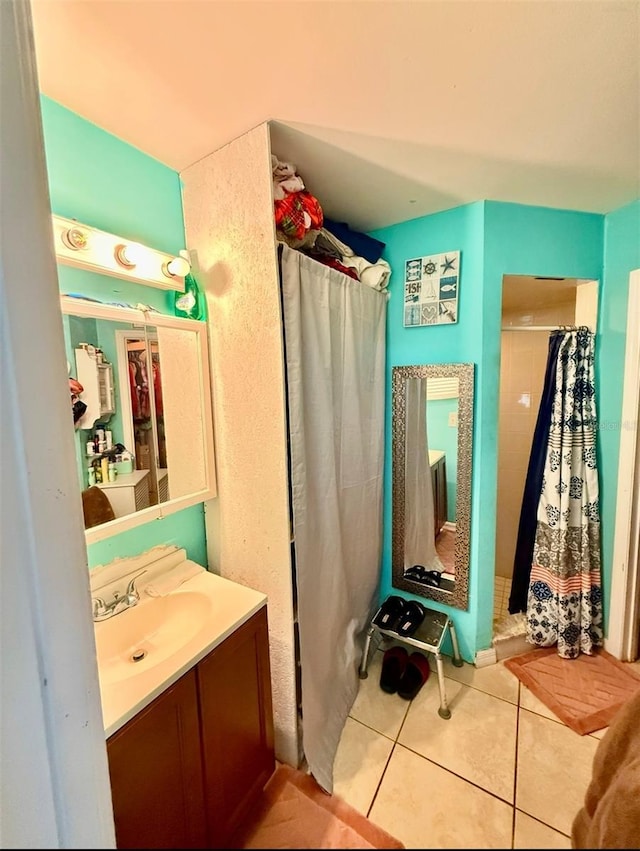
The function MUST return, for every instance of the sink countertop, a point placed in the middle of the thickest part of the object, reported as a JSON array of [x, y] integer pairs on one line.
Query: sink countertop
[[435, 455], [232, 605]]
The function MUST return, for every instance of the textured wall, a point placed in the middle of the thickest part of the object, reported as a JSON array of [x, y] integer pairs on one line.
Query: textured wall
[[228, 211]]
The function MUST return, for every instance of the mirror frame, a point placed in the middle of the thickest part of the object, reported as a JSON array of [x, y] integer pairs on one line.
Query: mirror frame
[[97, 310], [459, 597]]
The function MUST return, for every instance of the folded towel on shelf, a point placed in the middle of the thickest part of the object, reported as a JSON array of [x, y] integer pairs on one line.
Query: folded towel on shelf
[[168, 581], [375, 275], [360, 243]]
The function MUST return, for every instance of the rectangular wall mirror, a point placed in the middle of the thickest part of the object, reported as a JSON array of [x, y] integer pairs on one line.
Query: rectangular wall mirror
[[143, 423], [432, 428]]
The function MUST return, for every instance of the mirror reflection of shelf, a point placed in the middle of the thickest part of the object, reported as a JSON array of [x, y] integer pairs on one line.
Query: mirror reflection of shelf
[[163, 484], [96, 377], [128, 493]]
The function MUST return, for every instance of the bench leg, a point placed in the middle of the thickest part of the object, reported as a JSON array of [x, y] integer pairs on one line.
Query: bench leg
[[443, 711], [365, 655], [457, 661]]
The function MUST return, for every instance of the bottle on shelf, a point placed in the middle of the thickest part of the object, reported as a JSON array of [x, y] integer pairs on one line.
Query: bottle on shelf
[[191, 303], [91, 475]]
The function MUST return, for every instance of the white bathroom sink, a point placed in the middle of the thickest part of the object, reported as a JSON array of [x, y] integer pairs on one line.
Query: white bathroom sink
[[149, 633], [170, 634]]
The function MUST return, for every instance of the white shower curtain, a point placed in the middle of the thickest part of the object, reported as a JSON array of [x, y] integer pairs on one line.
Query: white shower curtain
[[419, 520], [335, 356]]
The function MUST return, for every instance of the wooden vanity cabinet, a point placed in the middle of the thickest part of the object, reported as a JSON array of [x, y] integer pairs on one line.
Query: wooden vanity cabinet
[[156, 773], [189, 767], [234, 685]]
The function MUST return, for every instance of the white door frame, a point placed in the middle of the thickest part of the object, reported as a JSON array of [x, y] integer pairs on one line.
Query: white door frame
[[54, 776], [624, 611]]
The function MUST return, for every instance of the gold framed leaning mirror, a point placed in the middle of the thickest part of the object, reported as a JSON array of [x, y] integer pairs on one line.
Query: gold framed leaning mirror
[[432, 434]]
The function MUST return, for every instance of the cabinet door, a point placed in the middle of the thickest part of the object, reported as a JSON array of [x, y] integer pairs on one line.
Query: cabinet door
[[156, 773], [236, 726]]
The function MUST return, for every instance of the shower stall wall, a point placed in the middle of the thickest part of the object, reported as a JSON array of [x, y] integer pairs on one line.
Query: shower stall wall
[[531, 308], [297, 373]]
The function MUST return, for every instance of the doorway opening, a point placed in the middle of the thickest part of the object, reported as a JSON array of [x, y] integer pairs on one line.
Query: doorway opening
[[532, 308]]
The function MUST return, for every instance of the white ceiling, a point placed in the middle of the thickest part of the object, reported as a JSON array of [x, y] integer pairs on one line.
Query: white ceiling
[[391, 110]]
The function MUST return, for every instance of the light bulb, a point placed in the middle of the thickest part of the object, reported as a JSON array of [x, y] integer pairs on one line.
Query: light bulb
[[130, 255], [75, 238], [177, 268]]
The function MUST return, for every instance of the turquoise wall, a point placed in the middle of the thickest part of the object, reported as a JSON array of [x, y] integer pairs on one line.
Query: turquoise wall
[[104, 182], [458, 229], [495, 239], [520, 240], [184, 529], [621, 255]]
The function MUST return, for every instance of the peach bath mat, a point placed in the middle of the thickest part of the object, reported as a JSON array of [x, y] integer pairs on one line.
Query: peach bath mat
[[296, 813], [585, 692]]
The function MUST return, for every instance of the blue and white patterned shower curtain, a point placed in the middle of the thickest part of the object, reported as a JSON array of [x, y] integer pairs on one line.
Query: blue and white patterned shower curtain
[[564, 603]]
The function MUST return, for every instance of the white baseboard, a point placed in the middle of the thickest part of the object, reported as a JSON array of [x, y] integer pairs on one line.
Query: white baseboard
[[486, 657]]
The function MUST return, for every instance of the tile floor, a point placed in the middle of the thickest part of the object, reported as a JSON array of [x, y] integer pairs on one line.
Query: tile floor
[[503, 772], [502, 590]]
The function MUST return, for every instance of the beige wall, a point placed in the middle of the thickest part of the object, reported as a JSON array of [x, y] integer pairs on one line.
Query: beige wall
[[522, 366], [228, 210]]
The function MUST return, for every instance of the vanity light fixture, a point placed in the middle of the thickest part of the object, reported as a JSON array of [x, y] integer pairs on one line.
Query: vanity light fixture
[[130, 255], [178, 267], [75, 238], [85, 247]]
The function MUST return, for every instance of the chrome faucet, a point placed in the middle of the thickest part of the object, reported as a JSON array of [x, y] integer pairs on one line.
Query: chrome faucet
[[102, 611]]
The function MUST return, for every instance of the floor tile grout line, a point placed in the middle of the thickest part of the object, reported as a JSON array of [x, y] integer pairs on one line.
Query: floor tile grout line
[[539, 820], [373, 729], [559, 721], [515, 772], [384, 771], [476, 688], [455, 774]]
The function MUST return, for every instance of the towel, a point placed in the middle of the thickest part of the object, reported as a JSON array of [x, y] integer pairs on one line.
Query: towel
[[360, 243], [168, 581], [610, 817], [375, 275]]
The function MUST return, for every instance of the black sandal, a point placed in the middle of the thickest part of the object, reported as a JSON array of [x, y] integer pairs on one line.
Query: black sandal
[[416, 673], [420, 574], [389, 613], [412, 617], [394, 664]]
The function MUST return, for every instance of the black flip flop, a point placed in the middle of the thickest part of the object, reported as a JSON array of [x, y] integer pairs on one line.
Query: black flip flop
[[416, 673], [420, 574], [389, 613], [414, 572], [412, 617], [394, 664]]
